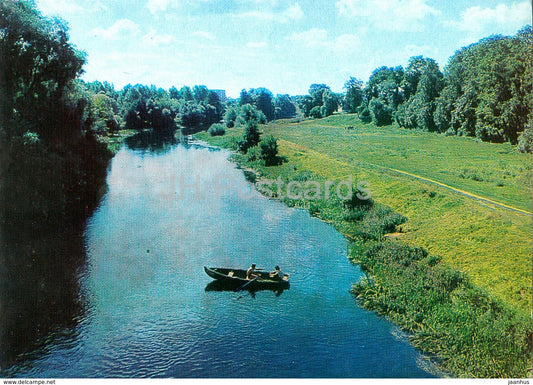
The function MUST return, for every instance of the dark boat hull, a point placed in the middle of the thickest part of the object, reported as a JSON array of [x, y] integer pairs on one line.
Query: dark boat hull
[[237, 278]]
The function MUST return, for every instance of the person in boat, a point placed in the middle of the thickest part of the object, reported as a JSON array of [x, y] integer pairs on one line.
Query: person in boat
[[277, 274], [251, 272]]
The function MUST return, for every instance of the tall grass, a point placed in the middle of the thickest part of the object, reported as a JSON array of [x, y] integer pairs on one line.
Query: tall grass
[[470, 334]]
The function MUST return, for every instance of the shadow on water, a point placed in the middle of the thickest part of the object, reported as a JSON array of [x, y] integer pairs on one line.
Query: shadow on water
[[233, 287], [154, 141], [39, 290]]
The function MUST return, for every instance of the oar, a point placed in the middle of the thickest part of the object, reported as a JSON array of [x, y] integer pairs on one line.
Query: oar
[[246, 284]]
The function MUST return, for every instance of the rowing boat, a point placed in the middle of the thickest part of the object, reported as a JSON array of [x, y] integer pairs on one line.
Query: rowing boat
[[237, 277]]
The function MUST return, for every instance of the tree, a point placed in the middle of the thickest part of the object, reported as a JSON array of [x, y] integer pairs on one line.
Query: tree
[[262, 99], [37, 64], [269, 150], [329, 102], [423, 83], [200, 93], [488, 89], [381, 113], [191, 115], [216, 129], [383, 82], [231, 116], [354, 94], [186, 94], [251, 136], [245, 98], [320, 102], [249, 113], [284, 107]]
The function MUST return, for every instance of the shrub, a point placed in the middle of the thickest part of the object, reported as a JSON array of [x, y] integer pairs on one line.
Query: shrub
[[269, 150], [316, 112], [216, 129], [365, 116], [230, 116], [525, 141], [253, 154], [250, 138]]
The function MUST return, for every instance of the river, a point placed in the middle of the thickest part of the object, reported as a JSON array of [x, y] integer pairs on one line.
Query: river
[[149, 310]]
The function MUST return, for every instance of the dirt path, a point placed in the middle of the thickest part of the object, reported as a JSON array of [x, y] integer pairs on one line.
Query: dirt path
[[459, 191], [418, 177]]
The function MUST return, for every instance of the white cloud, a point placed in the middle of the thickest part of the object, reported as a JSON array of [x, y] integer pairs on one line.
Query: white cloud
[[119, 29], [157, 5], [392, 15], [318, 38], [256, 44], [204, 34], [346, 42], [314, 37], [287, 15], [294, 12], [69, 7], [503, 17], [153, 39]]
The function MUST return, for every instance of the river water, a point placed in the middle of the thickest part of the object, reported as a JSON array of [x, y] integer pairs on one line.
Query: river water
[[149, 310]]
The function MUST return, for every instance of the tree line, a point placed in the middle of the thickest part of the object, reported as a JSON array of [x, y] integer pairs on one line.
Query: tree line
[[484, 92]]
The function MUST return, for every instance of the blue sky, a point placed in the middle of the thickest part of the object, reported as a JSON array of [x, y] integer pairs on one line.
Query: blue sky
[[283, 45]]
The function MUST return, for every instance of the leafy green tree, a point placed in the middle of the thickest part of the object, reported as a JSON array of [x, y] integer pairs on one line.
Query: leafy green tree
[[384, 83], [191, 115], [316, 112], [365, 115], [52, 164], [381, 113], [284, 107], [105, 112], [262, 99], [330, 103], [306, 104], [251, 136], [354, 94], [37, 63], [249, 113], [231, 115], [245, 98], [200, 93], [488, 88], [186, 94], [423, 83], [320, 102], [269, 150], [174, 93]]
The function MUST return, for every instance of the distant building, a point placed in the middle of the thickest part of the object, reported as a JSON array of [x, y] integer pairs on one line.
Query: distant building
[[221, 94]]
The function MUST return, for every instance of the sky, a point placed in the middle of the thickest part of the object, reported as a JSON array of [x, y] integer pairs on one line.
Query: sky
[[282, 45]]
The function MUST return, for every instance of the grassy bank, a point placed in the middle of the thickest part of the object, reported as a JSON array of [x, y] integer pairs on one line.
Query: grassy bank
[[115, 141], [479, 253]]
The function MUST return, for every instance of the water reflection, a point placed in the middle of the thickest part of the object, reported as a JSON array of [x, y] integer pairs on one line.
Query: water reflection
[[233, 287], [39, 292], [153, 141]]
